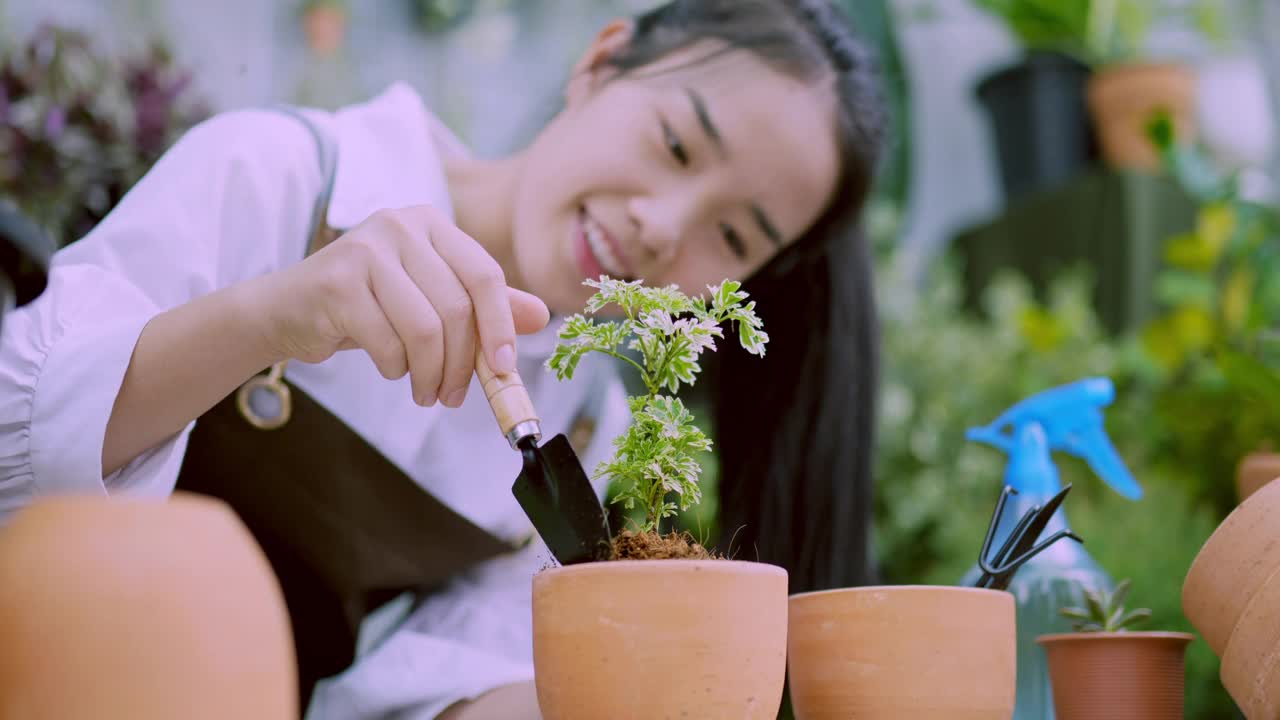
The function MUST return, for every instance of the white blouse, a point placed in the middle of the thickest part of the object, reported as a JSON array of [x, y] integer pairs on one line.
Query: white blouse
[[233, 200]]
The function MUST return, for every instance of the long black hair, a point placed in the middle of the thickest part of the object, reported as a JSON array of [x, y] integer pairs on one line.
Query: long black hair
[[795, 430]]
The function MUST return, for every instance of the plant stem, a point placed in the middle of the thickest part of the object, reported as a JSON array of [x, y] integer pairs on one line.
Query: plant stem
[[644, 375]]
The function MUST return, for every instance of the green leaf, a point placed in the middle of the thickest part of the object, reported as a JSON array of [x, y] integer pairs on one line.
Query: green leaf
[[1133, 617], [1075, 613], [655, 457], [1096, 605], [1116, 599], [1250, 376]]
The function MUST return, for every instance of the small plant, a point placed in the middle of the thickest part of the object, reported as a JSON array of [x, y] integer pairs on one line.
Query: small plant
[[1104, 611], [655, 458]]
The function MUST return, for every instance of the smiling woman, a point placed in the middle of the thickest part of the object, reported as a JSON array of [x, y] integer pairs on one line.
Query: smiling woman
[[704, 140]]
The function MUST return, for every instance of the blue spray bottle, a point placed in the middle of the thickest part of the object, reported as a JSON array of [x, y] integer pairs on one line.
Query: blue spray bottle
[[1068, 419]]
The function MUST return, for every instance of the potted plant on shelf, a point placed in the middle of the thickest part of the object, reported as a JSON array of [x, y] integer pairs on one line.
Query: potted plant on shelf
[[1104, 669], [325, 24], [1128, 88], [1036, 105], [664, 628]]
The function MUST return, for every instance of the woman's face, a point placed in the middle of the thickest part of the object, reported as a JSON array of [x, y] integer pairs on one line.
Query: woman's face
[[673, 175]]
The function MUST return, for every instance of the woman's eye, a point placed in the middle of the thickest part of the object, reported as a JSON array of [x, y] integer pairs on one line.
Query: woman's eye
[[734, 241], [674, 145]]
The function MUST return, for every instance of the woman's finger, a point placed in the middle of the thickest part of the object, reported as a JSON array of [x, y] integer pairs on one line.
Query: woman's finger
[[486, 287], [417, 325], [439, 284], [364, 322], [528, 312]]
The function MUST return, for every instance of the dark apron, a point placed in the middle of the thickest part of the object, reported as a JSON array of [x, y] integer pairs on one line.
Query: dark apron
[[344, 529]]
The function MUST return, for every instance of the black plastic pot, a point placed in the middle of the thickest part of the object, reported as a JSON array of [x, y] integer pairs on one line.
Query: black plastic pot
[[1040, 122]]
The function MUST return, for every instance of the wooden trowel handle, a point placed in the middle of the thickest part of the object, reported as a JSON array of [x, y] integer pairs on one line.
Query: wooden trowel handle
[[510, 402]]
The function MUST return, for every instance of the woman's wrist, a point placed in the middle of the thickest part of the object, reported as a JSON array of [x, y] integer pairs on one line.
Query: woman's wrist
[[250, 313]]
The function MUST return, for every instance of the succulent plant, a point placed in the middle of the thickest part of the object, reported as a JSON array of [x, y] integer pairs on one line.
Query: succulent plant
[[1104, 611]]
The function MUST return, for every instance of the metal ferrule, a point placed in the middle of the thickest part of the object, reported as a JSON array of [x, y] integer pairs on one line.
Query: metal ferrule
[[522, 430]]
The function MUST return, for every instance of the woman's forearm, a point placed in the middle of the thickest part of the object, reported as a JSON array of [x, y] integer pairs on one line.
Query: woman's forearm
[[186, 360]]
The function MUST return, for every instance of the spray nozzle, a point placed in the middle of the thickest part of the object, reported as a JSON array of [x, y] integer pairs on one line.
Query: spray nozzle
[[1068, 418]]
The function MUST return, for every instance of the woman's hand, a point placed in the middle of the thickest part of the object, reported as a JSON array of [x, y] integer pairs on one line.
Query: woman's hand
[[411, 290], [510, 702]]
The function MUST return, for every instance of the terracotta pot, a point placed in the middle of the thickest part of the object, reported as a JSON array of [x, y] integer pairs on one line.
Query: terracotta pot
[[908, 651], [1250, 668], [141, 610], [1240, 555], [1130, 675], [1122, 99], [660, 639], [1255, 470], [325, 27]]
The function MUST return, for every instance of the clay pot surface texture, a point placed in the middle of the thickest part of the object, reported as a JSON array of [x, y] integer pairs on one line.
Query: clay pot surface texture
[[909, 651], [1122, 99], [1109, 675], [654, 639], [1256, 470], [1240, 555], [140, 610], [1250, 668]]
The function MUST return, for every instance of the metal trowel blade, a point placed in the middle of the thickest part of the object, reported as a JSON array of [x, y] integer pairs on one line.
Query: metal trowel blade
[[556, 494]]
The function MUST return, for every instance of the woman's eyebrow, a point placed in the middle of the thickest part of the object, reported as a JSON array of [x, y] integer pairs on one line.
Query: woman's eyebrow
[[766, 226], [704, 119], [713, 132]]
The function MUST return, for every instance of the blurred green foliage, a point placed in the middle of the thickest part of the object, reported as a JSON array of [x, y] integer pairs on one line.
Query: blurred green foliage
[[947, 370]]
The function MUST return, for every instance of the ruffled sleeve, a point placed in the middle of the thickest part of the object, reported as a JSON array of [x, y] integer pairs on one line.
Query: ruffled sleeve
[[231, 200]]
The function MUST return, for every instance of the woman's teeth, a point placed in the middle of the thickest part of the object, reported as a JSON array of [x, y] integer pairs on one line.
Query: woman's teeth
[[601, 249]]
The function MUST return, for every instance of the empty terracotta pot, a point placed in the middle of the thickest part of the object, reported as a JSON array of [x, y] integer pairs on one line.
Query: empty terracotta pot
[[1255, 471], [1130, 675], [1122, 100], [140, 610], [1250, 668], [910, 651], [660, 639], [1240, 555]]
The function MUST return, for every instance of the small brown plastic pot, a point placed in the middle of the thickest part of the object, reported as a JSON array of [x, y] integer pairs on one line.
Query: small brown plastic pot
[[660, 639], [1240, 555], [140, 610], [1108, 675], [910, 651], [1256, 470]]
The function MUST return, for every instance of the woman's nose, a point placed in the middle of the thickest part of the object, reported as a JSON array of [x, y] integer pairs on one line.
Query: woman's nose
[[660, 225]]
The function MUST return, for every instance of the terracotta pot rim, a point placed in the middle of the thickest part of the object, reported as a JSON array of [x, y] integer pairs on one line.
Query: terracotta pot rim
[[1127, 66], [1168, 635], [658, 567], [912, 589], [1224, 528]]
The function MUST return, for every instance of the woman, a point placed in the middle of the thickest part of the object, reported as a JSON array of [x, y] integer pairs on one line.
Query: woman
[[705, 139]]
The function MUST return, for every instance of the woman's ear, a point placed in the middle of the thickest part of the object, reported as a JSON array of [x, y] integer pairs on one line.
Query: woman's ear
[[592, 69]]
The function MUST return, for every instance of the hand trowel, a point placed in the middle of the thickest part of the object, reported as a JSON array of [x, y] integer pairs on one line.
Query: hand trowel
[[552, 487]]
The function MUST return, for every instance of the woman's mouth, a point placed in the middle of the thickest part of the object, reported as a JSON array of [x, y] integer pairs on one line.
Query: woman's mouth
[[597, 254]]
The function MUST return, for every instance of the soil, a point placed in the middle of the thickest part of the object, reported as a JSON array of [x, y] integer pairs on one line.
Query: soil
[[629, 545]]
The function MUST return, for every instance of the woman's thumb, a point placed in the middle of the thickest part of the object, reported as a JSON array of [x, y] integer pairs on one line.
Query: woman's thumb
[[529, 313]]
